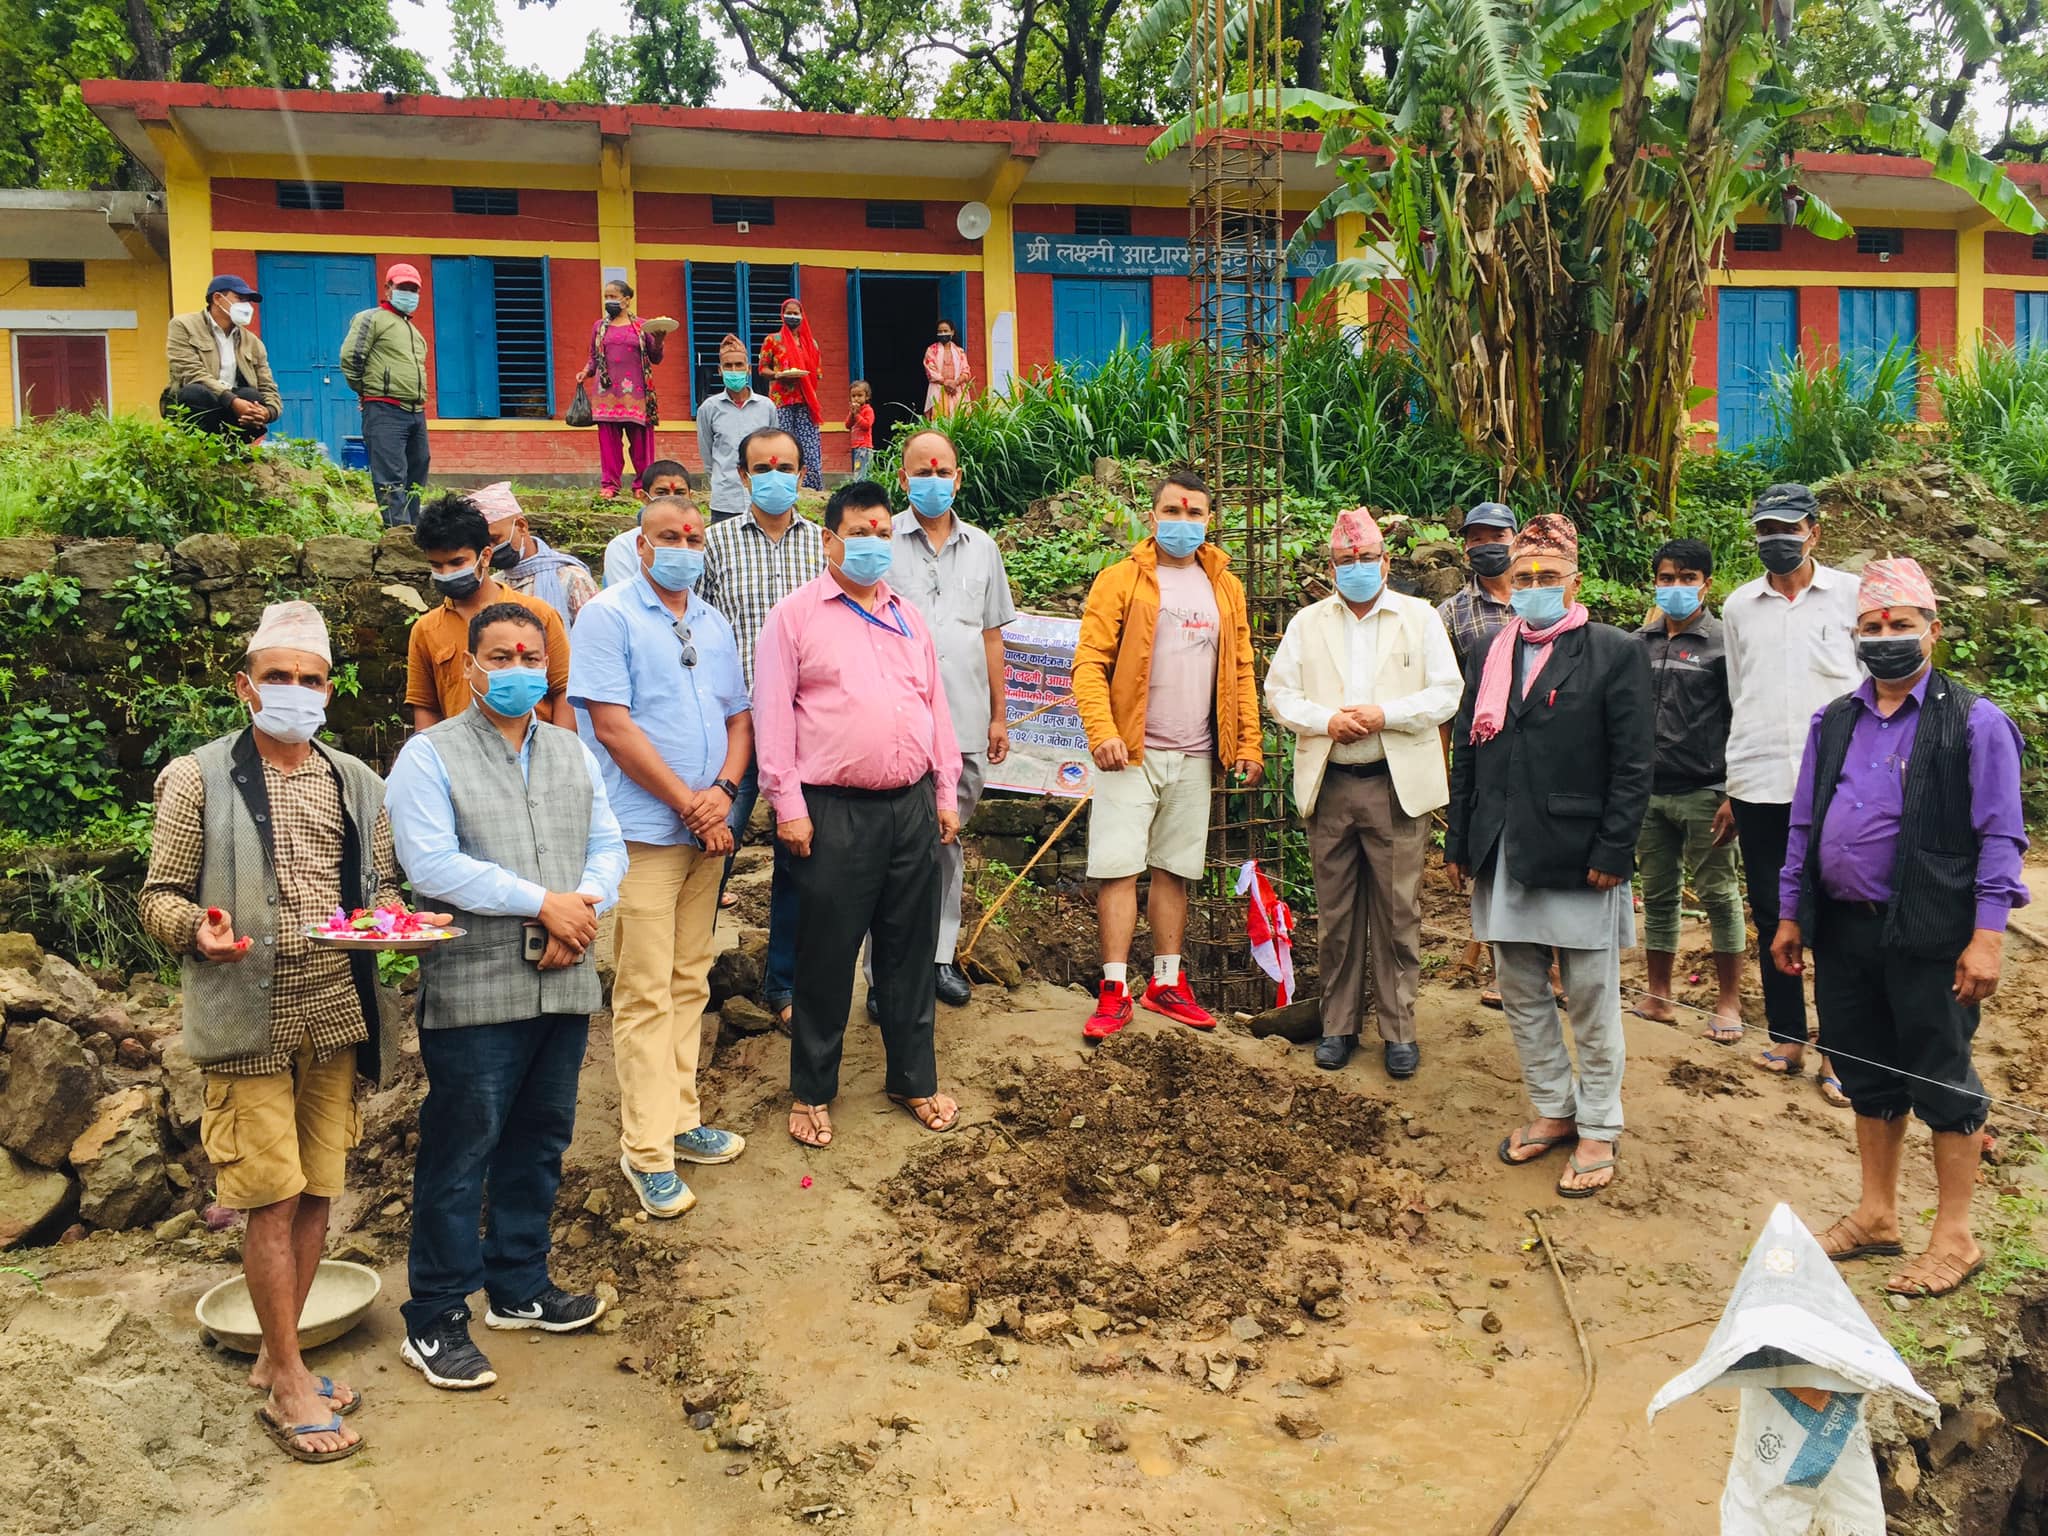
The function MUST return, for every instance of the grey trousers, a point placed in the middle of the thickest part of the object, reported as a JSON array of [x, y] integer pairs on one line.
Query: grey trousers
[[1367, 854], [1591, 1094], [396, 441]]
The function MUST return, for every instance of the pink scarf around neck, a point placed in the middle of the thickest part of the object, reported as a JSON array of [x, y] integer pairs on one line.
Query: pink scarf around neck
[[1491, 713]]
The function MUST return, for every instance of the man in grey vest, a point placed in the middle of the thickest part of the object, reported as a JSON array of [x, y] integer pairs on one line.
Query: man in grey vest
[[260, 835], [1902, 859], [504, 820]]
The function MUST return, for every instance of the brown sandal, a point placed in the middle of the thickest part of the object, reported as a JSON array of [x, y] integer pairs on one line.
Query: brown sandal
[[1860, 1244], [819, 1121], [1933, 1274], [934, 1122]]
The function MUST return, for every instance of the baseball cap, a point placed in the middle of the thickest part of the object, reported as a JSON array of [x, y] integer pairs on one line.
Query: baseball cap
[[227, 282], [1784, 504], [1490, 514], [402, 272]]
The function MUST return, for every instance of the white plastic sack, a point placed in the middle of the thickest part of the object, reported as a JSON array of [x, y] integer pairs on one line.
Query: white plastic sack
[[1804, 1355]]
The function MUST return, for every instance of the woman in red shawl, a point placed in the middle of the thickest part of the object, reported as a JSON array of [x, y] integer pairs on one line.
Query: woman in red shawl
[[790, 359]]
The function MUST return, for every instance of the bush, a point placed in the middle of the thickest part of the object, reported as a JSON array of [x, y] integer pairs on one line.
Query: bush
[[1830, 419], [53, 767], [1993, 396], [127, 477], [1356, 425]]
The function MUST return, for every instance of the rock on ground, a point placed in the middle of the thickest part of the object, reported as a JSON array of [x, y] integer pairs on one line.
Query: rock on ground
[[32, 1199], [120, 1163], [49, 1091]]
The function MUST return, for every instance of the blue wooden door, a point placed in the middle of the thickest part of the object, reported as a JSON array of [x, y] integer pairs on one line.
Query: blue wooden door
[[308, 302], [1092, 317], [1757, 330], [2029, 321], [1878, 320]]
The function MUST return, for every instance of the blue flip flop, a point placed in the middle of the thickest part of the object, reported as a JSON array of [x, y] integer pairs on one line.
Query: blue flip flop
[[287, 1437], [327, 1391]]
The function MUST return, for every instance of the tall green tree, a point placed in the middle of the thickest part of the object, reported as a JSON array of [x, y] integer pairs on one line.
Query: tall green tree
[[1551, 181], [49, 138]]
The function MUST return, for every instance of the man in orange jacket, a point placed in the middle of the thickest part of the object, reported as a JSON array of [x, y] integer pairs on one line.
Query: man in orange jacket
[[1164, 685]]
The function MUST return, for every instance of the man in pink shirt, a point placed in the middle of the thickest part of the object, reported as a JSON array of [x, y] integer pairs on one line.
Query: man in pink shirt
[[858, 758]]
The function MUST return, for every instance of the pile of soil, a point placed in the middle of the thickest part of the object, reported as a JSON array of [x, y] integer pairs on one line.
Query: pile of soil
[[1165, 1180], [96, 1397]]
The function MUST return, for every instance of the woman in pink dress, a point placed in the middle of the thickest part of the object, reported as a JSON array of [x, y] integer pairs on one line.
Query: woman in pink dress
[[623, 352], [947, 371]]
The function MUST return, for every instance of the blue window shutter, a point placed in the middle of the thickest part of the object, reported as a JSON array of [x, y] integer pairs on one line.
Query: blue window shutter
[[547, 320], [483, 331], [855, 343], [454, 362], [953, 303], [796, 281]]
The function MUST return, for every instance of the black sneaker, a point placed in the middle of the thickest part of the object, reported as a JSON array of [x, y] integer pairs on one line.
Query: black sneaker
[[445, 1355], [554, 1310]]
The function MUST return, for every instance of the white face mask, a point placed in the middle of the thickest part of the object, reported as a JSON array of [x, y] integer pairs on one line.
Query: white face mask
[[290, 714], [242, 313]]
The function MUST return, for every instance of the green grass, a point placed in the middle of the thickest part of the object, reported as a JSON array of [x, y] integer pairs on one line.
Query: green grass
[[126, 476]]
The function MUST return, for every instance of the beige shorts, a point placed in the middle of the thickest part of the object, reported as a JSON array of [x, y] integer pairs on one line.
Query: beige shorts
[[1151, 815], [287, 1133]]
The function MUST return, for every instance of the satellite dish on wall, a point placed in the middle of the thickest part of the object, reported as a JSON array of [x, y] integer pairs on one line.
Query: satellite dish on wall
[[974, 220]]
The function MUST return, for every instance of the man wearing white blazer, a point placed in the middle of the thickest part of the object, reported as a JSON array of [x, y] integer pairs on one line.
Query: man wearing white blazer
[[1363, 679]]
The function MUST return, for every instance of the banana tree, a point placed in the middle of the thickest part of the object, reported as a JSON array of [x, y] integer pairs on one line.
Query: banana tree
[[1546, 190]]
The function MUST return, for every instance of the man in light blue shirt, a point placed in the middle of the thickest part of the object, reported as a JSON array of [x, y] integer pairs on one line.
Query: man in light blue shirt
[[656, 672], [505, 821]]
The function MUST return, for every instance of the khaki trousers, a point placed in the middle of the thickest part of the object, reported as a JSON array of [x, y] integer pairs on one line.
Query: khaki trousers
[[668, 903], [1368, 857]]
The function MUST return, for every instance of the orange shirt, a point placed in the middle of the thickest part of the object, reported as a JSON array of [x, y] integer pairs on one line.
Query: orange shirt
[[437, 666]]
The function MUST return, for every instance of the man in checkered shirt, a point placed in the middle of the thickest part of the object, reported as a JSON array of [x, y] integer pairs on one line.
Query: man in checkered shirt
[[751, 563], [259, 836]]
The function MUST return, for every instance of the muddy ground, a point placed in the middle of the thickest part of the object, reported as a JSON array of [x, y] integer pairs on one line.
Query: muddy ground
[[1180, 1284]]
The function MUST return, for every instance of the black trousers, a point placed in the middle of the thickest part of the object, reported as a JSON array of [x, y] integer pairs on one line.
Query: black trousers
[[1880, 1010], [208, 410], [396, 441], [1761, 829], [874, 868]]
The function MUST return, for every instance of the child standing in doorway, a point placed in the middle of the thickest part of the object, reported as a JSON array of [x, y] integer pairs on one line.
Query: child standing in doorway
[[860, 422]]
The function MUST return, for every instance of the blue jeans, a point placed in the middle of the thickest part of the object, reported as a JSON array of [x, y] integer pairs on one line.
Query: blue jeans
[[500, 1108], [778, 983]]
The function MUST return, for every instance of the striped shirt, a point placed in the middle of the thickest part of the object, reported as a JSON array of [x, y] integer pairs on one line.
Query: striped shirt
[[1473, 616], [746, 573], [315, 995]]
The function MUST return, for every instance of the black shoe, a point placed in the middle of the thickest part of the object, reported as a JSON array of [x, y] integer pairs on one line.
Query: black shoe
[[1402, 1060], [444, 1353], [874, 1008], [1332, 1051], [953, 986], [554, 1310]]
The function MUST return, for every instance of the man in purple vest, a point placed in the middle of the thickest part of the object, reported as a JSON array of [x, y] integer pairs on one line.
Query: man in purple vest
[[1902, 863]]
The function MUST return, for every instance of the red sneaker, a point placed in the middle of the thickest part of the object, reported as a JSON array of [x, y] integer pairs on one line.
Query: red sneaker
[[1178, 1002], [1112, 1011]]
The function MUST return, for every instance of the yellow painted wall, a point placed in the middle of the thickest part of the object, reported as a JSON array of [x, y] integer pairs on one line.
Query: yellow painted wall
[[135, 358]]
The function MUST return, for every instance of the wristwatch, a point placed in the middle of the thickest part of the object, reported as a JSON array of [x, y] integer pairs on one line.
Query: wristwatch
[[732, 790]]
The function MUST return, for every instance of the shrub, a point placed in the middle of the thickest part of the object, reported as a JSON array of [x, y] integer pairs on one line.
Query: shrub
[[53, 766], [124, 476], [2018, 457], [1992, 396], [1830, 419]]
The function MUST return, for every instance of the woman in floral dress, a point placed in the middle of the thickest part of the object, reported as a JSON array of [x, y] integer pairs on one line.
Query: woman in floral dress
[[623, 352]]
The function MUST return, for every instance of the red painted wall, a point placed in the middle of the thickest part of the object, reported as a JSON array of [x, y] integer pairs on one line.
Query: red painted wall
[[1998, 313], [1706, 356], [1820, 321], [2012, 254], [427, 212], [832, 224], [1927, 250]]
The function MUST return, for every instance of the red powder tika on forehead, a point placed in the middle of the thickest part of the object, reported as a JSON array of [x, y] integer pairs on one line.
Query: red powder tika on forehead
[[1184, 504], [519, 647]]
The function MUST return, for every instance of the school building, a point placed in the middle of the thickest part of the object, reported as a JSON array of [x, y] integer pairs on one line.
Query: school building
[[1042, 243]]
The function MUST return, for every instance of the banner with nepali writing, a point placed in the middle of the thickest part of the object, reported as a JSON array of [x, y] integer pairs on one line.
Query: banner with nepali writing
[[1135, 256], [1048, 748]]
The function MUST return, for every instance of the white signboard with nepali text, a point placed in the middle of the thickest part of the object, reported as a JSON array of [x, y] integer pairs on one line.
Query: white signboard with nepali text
[[1048, 748]]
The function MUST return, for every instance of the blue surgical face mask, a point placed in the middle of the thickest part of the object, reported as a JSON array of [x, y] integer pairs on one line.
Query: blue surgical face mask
[[1678, 602], [866, 561], [1181, 536], [1538, 607], [931, 495], [405, 300], [774, 491], [1360, 581], [513, 691], [734, 380], [676, 569]]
